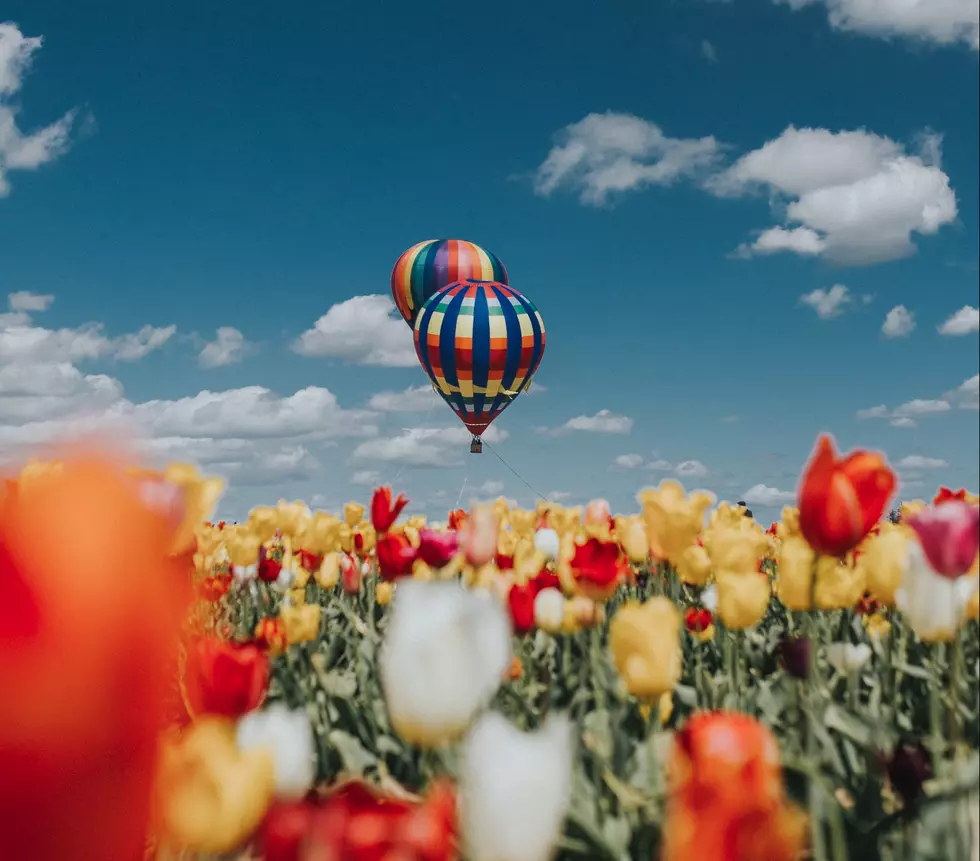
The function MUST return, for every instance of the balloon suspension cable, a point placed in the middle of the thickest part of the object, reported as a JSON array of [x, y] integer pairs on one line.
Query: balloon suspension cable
[[461, 489], [493, 451]]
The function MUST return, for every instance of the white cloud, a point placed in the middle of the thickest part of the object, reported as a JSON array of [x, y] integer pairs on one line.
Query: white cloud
[[660, 466], [490, 488], [20, 151], [558, 496], [967, 394], [966, 321], [228, 348], [603, 421], [798, 240], [24, 300], [943, 22], [366, 478], [708, 52], [433, 448], [761, 494], [628, 461], [852, 196], [828, 303], [608, 154], [365, 330], [899, 322], [414, 399], [132, 348], [917, 461], [691, 469], [905, 415]]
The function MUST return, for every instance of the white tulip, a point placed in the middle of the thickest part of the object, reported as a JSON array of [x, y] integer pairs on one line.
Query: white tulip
[[444, 656], [546, 541], [934, 606], [244, 573], [709, 598], [515, 789], [549, 610], [848, 658], [284, 581], [289, 737]]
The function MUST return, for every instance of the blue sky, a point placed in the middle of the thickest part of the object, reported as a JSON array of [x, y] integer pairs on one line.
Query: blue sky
[[669, 182]]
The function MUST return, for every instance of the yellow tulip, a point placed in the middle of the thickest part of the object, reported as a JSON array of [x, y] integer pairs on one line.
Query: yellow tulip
[[736, 546], [369, 538], [632, 536], [297, 597], [416, 521], [742, 598], [209, 796], [302, 623], [878, 626], [645, 645], [384, 592], [328, 575], [353, 513], [839, 587], [673, 519], [908, 510], [243, 548], [293, 517], [794, 572], [884, 559], [263, 522], [693, 565], [345, 537], [522, 522], [422, 571]]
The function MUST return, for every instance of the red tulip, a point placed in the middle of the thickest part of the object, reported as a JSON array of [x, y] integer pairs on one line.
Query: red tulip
[[85, 650], [598, 567], [949, 535], [842, 499], [384, 512], [944, 494], [520, 600], [396, 555], [437, 548], [226, 679]]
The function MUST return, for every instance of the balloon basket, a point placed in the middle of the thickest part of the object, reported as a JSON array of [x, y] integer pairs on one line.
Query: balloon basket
[[476, 445]]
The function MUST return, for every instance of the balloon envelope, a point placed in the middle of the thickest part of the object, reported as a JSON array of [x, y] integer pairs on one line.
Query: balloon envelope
[[480, 343], [429, 266]]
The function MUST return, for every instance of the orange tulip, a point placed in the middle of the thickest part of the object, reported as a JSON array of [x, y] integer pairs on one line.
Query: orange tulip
[[842, 499], [85, 649]]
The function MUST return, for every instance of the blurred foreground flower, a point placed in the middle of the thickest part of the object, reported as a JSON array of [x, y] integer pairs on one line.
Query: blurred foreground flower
[[516, 788], [934, 605], [225, 679], [288, 737], [841, 499], [950, 537], [84, 651], [727, 799], [444, 655], [644, 640]]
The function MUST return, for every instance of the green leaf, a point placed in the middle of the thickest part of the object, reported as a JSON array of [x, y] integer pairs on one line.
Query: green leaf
[[849, 725], [338, 684], [355, 758]]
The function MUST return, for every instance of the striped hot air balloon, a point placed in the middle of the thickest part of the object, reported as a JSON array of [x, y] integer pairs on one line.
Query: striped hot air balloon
[[479, 342], [429, 266]]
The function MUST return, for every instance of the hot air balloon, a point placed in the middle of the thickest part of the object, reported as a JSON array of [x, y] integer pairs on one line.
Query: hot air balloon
[[429, 266], [479, 342]]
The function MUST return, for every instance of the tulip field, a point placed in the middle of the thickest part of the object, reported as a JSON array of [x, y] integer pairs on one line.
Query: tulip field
[[677, 683]]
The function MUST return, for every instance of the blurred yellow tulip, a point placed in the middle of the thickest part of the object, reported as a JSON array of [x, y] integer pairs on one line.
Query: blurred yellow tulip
[[353, 513], [673, 519], [742, 598], [645, 645], [302, 623]]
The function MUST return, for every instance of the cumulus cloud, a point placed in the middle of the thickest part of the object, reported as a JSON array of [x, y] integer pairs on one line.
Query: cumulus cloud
[[966, 321], [967, 395], [20, 150], [604, 421], [608, 154], [414, 399], [425, 448], [366, 478], [228, 348], [918, 461], [908, 414], [489, 488], [628, 461], [853, 197], [828, 303], [942, 22], [363, 330], [899, 322], [691, 469], [30, 303], [761, 494]]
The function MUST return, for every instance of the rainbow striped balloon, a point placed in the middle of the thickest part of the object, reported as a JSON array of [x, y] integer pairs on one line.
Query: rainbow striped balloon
[[429, 266], [480, 343]]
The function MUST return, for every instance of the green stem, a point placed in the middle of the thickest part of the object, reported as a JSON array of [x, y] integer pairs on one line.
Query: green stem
[[814, 795]]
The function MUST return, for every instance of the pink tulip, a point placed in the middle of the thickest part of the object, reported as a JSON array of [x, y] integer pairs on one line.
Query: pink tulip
[[949, 535], [479, 538], [597, 512], [437, 548]]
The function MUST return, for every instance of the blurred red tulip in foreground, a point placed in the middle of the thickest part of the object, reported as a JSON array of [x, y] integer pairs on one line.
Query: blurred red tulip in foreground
[[89, 618]]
